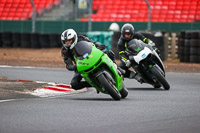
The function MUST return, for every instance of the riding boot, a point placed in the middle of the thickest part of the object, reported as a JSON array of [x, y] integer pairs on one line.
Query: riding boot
[[121, 70], [134, 75], [80, 85]]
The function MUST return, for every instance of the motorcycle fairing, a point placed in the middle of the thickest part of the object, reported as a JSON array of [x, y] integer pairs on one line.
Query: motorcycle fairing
[[142, 55]]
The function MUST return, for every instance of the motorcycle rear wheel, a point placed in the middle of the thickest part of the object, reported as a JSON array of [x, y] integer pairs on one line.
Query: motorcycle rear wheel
[[109, 87], [160, 78]]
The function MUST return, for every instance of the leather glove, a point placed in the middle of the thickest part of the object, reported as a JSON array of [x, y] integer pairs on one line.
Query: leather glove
[[101, 47], [85, 38], [151, 43], [128, 63], [157, 50]]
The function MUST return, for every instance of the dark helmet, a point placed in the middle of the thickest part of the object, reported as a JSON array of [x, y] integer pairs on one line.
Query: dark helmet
[[127, 29]]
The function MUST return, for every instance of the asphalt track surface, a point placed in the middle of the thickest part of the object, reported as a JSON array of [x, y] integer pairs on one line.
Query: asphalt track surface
[[145, 110]]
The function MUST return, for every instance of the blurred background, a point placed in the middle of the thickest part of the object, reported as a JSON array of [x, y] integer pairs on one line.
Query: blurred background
[[174, 25]]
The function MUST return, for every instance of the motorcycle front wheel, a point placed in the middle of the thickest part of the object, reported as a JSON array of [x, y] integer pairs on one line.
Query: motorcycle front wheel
[[160, 78], [109, 87], [124, 92]]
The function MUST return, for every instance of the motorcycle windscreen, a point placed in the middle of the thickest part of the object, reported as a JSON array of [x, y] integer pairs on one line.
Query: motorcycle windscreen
[[87, 55], [82, 49], [135, 46]]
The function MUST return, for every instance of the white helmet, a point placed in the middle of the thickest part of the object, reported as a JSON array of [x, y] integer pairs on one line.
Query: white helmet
[[114, 27], [68, 35]]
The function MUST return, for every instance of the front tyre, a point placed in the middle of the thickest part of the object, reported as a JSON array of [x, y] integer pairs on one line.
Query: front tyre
[[109, 87], [160, 78], [124, 92]]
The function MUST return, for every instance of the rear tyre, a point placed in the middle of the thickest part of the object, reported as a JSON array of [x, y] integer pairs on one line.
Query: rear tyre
[[160, 78], [109, 87], [124, 92]]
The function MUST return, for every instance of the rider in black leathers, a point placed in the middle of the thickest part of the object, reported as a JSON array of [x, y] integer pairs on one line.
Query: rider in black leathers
[[69, 39], [127, 34]]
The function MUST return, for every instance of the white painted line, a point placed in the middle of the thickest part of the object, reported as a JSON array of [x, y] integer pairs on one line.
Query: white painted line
[[29, 67], [16, 66], [7, 100]]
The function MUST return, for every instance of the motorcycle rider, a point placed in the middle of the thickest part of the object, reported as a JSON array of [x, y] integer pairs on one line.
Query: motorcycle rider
[[127, 34], [69, 39]]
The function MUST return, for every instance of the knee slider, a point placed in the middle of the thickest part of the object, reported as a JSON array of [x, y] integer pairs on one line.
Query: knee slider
[[74, 86]]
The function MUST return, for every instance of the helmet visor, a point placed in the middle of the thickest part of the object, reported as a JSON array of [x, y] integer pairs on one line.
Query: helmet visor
[[68, 42], [127, 35]]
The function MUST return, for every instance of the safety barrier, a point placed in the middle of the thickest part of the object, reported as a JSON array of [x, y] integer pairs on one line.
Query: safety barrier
[[38, 40], [29, 40], [102, 37], [171, 45], [184, 45], [189, 46], [42, 26]]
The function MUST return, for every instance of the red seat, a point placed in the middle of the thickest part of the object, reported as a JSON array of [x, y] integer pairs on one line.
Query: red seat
[[191, 17], [129, 7], [161, 20], [84, 19], [162, 10], [11, 14], [179, 7], [3, 18], [16, 18], [23, 8], [169, 16], [172, 7], [4, 14], [185, 7], [168, 20], [162, 16], [119, 19], [177, 16], [184, 16], [154, 19], [197, 17]]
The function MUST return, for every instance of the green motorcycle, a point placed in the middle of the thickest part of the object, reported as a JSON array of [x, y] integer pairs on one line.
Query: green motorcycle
[[99, 70]]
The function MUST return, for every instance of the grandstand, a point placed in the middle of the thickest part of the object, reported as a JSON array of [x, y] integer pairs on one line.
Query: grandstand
[[137, 11], [110, 10], [22, 9]]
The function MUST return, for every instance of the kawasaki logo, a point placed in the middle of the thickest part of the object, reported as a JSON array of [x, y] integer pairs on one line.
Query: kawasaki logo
[[138, 49], [82, 63]]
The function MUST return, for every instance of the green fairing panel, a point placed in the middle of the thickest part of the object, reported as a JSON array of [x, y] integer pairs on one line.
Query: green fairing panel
[[89, 62], [113, 68]]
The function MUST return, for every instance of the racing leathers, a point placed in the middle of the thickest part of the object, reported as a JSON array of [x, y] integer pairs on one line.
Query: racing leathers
[[124, 60], [68, 57]]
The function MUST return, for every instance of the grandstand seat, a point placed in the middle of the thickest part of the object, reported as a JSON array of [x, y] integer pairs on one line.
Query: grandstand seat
[[16, 18], [197, 18], [179, 7], [84, 19], [4, 14], [162, 10], [22, 9]]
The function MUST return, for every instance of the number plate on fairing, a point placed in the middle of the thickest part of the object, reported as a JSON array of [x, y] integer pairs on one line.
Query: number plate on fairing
[[143, 56]]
